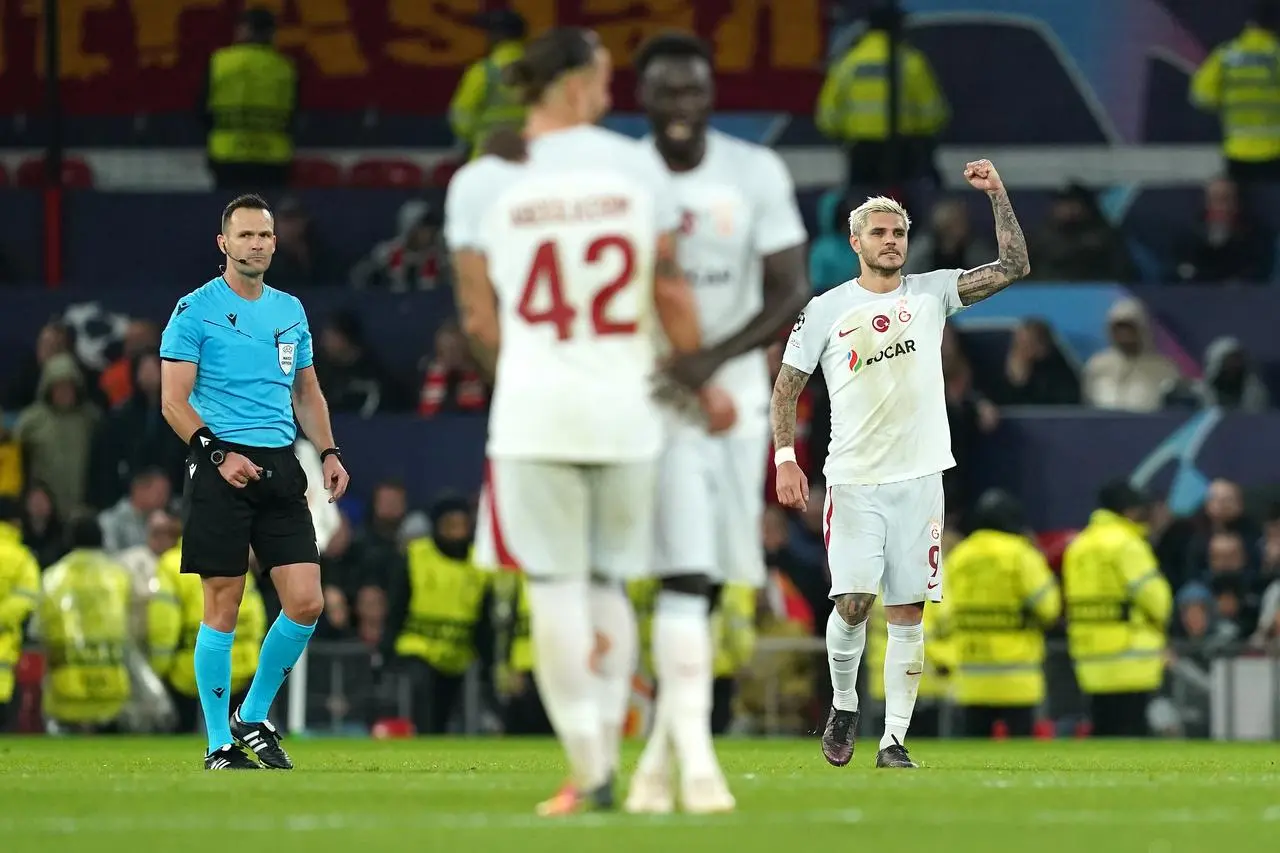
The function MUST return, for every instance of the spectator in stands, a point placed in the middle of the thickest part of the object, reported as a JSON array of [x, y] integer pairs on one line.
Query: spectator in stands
[[379, 546], [415, 259], [56, 431], [351, 375], [1230, 597], [1226, 555], [1269, 547], [55, 338], [116, 382], [42, 524], [250, 126], [11, 472], [1078, 244], [1130, 375], [142, 562], [134, 437], [949, 243], [1268, 630], [1229, 245], [340, 575], [125, 525], [451, 382], [301, 258], [832, 260], [970, 416], [809, 579], [1230, 381], [1035, 371]]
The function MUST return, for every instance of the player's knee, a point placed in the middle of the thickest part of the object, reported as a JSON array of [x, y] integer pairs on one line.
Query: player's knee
[[305, 609], [854, 607], [222, 602], [697, 585], [904, 614]]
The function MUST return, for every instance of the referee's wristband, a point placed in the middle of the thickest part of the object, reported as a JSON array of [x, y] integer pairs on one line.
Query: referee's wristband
[[783, 454], [332, 451], [208, 446]]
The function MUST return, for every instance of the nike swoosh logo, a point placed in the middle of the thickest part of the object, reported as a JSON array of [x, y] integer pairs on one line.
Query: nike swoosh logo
[[932, 586], [851, 331]]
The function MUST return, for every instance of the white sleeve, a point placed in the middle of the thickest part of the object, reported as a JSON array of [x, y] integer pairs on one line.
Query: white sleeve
[[804, 348], [944, 285], [778, 224], [465, 205]]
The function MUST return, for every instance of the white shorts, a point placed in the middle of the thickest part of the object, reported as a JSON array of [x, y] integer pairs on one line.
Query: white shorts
[[563, 520], [711, 505], [886, 540]]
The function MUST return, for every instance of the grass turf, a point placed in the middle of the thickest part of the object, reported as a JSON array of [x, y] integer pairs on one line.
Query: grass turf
[[115, 794]]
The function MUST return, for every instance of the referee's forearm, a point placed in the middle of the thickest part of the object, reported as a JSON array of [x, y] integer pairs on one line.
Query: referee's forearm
[[181, 417], [313, 417]]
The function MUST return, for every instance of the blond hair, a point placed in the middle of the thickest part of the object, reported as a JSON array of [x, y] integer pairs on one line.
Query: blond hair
[[879, 204]]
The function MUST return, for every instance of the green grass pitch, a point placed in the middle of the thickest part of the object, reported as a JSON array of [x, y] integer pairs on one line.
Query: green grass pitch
[[470, 796]]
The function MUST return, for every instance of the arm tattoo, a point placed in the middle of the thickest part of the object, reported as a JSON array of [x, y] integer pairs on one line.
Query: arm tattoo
[[977, 284], [786, 393]]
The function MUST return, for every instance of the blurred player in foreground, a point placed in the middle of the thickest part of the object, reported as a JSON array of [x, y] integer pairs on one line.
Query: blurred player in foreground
[[565, 252], [742, 248], [878, 339]]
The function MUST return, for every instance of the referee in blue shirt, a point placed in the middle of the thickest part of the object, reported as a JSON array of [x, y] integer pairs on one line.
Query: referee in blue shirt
[[237, 368]]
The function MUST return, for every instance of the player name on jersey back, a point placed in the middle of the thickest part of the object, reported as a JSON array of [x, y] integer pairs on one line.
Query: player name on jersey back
[[881, 358], [737, 207], [570, 238]]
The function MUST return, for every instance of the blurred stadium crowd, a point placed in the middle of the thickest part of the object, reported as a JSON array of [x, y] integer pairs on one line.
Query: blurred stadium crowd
[[415, 637]]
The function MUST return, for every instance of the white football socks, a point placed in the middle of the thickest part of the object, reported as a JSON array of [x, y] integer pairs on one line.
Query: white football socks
[[617, 653], [682, 660], [563, 640], [845, 645], [903, 666]]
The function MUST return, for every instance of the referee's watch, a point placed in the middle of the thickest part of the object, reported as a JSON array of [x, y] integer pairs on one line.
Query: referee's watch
[[331, 451], [209, 446]]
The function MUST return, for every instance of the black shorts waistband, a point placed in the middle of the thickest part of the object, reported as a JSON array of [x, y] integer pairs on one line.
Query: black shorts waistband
[[246, 450]]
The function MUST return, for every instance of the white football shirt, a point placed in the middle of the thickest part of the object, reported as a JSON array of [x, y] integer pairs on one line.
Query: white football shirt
[[570, 237], [737, 207], [881, 357]]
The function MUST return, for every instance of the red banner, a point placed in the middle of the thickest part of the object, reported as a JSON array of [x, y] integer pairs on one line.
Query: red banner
[[402, 56]]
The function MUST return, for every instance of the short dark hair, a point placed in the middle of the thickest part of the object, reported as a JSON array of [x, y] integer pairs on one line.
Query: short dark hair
[[84, 531], [554, 53], [1120, 496], [672, 45], [248, 201]]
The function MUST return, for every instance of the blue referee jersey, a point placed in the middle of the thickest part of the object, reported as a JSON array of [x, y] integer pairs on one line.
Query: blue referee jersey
[[247, 354]]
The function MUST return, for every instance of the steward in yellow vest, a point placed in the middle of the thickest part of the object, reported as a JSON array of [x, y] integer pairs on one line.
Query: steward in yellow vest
[[174, 616], [19, 593], [853, 107], [1240, 83], [85, 608], [733, 643], [251, 98], [482, 101], [1118, 606], [1001, 597], [440, 623]]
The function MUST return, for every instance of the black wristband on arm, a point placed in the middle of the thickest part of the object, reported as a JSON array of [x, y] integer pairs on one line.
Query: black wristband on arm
[[332, 451], [208, 446]]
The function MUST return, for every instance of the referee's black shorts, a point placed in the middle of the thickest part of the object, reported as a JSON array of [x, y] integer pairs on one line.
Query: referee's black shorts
[[221, 522]]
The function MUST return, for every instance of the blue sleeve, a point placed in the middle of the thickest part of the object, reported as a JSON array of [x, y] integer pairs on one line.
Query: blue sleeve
[[182, 336], [304, 340]]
